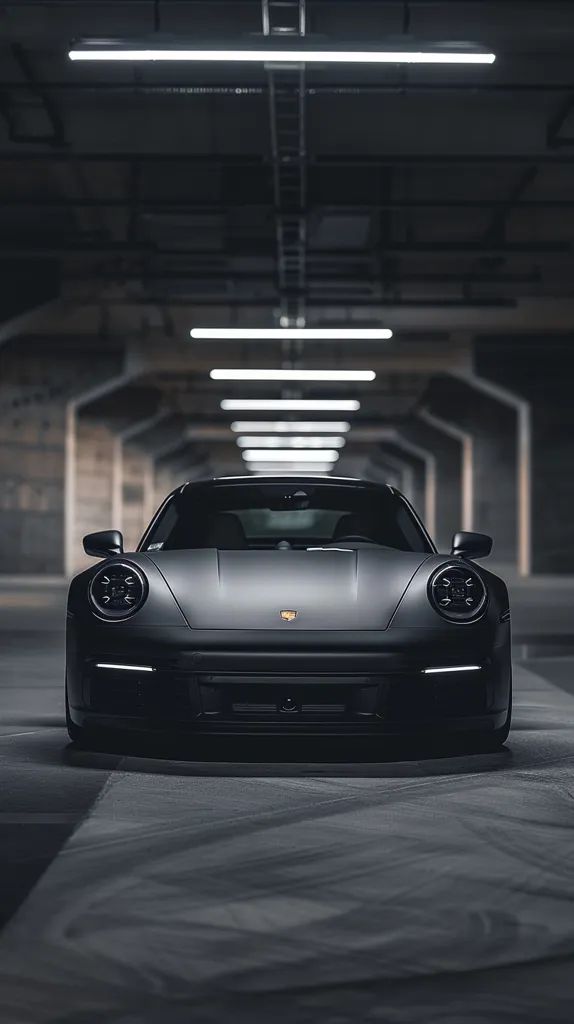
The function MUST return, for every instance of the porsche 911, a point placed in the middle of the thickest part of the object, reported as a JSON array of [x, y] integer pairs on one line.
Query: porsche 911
[[268, 605]]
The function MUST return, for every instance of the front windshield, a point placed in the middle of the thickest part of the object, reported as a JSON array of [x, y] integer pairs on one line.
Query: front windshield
[[268, 515]]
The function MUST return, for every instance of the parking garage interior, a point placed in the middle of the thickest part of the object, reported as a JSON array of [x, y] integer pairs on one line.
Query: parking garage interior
[[226, 267]]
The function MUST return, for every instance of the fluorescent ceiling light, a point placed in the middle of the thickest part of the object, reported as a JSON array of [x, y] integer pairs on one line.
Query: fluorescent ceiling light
[[290, 426], [291, 404], [330, 375], [284, 455], [104, 51], [290, 442], [291, 333], [125, 668], [284, 468], [452, 668]]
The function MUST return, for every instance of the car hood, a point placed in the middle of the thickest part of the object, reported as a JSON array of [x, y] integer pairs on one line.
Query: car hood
[[327, 588]]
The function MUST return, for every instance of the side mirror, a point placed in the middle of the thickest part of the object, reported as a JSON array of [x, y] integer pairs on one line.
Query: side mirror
[[104, 543], [471, 545]]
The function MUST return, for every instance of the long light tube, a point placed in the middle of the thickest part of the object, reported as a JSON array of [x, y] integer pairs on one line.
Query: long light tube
[[284, 455], [291, 404], [282, 468], [291, 333], [248, 441], [452, 668], [328, 375], [290, 426], [125, 668], [125, 53]]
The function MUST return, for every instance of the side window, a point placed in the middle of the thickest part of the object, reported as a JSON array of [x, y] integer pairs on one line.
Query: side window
[[163, 529]]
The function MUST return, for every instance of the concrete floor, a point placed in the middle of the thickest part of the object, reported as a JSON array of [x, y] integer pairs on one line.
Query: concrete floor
[[285, 882]]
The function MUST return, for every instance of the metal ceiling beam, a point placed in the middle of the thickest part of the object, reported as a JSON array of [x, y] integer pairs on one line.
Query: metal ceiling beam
[[201, 159], [11, 112], [199, 206], [496, 230], [258, 160], [57, 137], [326, 301], [288, 149], [240, 88], [499, 223], [338, 277], [17, 247], [436, 159], [554, 140], [251, 3]]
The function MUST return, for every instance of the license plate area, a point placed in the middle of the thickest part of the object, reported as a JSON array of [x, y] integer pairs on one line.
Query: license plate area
[[285, 698]]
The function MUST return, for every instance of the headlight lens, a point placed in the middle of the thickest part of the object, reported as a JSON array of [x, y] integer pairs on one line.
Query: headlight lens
[[458, 593], [118, 590]]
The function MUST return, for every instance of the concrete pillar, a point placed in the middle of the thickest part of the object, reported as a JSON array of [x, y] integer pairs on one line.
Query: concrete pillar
[[380, 471], [537, 368], [395, 450], [163, 442], [92, 445], [448, 468], [491, 418], [98, 484], [164, 482], [138, 495], [427, 507], [406, 474], [34, 442], [138, 478], [179, 463], [102, 422], [465, 439]]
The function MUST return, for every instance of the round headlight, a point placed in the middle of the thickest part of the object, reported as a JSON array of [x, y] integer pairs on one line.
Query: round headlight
[[118, 590], [458, 593]]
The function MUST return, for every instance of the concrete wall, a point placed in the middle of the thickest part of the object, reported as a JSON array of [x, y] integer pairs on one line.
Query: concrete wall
[[61, 466], [447, 483], [138, 494], [32, 466], [37, 383], [493, 427], [97, 481]]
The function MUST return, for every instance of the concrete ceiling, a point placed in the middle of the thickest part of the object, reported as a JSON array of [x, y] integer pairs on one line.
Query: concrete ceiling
[[147, 199]]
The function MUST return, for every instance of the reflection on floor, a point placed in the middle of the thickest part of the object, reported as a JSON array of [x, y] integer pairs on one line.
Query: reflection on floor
[[284, 882]]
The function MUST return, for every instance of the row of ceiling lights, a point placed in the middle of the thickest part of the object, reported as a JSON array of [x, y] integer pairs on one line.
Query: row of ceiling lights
[[286, 431], [291, 452], [295, 454], [285, 448], [120, 51]]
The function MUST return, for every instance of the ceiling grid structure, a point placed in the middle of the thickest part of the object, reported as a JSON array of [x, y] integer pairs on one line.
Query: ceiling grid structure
[[287, 101], [428, 199]]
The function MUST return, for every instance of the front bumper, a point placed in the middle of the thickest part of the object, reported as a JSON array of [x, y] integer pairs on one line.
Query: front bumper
[[323, 682]]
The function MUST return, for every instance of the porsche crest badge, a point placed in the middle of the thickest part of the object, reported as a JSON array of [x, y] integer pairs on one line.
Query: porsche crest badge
[[288, 614]]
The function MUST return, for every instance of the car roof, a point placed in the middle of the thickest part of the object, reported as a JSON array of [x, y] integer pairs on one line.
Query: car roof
[[304, 479]]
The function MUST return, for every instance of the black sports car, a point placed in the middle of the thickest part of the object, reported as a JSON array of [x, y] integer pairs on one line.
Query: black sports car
[[303, 604]]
